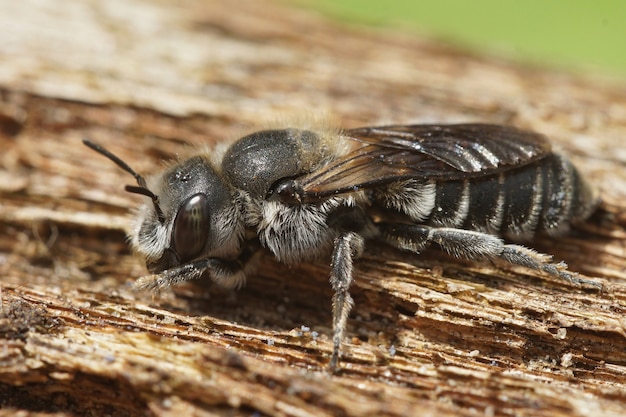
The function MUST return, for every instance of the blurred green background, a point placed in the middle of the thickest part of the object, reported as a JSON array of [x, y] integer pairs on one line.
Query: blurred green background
[[572, 34]]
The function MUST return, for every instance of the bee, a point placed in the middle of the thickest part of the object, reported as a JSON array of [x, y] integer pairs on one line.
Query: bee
[[303, 194]]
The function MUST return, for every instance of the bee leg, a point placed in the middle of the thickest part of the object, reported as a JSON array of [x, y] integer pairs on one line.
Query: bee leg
[[227, 273], [521, 255], [475, 246], [348, 246]]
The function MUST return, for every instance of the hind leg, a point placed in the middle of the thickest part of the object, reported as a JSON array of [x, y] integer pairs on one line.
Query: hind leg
[[473, 245]]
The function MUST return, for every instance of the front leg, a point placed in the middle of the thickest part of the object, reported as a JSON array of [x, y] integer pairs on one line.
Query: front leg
[[348, 246], [227, 273]]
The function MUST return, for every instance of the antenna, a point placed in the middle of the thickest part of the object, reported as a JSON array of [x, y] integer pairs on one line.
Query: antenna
[[141, 189]]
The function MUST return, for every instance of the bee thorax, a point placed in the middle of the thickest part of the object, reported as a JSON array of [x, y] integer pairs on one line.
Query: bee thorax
[[296, 233]]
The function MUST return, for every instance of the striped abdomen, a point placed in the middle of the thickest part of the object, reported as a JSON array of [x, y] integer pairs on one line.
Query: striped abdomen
[[546, 195]]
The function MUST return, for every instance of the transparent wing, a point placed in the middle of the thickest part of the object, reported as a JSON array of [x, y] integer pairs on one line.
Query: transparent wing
[[465, 147], [442, 152]]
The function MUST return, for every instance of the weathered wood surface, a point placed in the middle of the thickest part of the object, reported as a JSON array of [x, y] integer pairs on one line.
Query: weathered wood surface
[[428, 335]]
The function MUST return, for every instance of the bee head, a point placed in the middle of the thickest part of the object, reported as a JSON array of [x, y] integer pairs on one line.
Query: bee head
[[190, 215]]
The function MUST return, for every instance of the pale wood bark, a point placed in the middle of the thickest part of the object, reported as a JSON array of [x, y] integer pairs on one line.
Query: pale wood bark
[[428, 335]]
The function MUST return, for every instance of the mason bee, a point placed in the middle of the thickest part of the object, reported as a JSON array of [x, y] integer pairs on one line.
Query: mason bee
[[302, 194]]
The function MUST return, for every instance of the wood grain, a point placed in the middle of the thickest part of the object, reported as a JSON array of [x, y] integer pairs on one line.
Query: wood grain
[[429, 335]]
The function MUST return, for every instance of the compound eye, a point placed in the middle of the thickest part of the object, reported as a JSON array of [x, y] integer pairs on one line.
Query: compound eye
[[191, 227]]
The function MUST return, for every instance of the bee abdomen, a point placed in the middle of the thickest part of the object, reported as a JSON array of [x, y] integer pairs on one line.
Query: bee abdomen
[[546, 196], [567, 197]]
